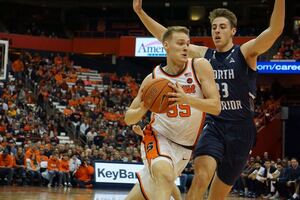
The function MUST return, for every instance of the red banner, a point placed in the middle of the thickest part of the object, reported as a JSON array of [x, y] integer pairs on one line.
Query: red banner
[[123, 46]]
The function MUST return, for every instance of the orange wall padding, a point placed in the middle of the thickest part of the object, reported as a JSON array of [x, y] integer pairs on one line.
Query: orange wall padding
[[123, 46]]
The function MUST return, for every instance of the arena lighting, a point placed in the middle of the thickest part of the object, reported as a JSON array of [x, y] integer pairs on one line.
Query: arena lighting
[[225, 3], [196, 13]]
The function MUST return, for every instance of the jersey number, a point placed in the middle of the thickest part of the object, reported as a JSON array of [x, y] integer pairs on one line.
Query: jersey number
[[223, 89], [181, 110]]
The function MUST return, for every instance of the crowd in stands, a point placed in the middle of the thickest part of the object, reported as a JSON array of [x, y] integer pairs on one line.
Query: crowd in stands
[[261, 178], [289, 49], [30, 123], [269, 179]]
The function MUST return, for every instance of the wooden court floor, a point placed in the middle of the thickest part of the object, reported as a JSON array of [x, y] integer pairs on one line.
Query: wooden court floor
[[44, 193]]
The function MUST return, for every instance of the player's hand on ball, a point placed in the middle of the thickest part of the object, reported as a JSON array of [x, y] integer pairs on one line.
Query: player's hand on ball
[[178, 97], [137, 129]]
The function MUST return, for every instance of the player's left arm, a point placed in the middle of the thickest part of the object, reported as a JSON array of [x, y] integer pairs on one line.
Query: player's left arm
[[266, 39]]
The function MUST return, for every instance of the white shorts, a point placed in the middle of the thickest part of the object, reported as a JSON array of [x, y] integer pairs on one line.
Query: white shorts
[[160, 148]]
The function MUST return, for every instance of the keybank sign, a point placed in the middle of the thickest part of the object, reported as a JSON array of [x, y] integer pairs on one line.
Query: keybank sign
[[123, 173], [149, 47], [116, 172], [275, 67]]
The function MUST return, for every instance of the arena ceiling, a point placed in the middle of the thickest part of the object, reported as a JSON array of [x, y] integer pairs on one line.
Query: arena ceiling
[[127, 3]]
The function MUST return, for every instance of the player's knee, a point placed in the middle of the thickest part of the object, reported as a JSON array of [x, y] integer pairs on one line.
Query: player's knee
[[166, 176], [163, 172], [202, 177]]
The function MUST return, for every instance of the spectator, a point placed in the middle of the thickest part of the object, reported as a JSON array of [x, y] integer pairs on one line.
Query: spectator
[[264, 175], [90, 136], [84, 175], [65, 171], [33, 169], [20, 168], [293, 178], [53, 168], [6, 166]]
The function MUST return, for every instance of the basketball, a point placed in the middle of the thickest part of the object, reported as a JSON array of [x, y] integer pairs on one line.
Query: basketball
[[155, 95]]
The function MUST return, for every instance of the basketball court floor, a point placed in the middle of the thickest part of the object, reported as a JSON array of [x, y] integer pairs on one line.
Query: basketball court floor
[[43, 193]]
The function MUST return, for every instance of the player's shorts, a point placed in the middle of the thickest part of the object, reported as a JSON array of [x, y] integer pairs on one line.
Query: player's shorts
[[156, 147], [229, 144]]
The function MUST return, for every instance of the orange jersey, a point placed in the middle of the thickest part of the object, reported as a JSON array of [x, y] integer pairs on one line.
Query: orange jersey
[[64, 166], [8, 161], [85, 173], [53, 164]]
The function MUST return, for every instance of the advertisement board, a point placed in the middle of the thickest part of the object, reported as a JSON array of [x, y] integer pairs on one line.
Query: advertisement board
[[278, 67], [149, 47], [118, 173]]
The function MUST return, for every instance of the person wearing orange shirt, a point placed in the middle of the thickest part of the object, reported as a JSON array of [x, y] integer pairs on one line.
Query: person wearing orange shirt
[[18, 68], [6, 165], [53, 168], [65, 171], [58, 60], [84, 175]]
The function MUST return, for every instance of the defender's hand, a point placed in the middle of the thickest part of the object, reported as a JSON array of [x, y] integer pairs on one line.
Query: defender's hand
[[137, 5]]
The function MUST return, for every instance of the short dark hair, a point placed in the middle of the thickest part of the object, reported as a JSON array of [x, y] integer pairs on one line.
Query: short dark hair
[[223, 12], [172, 29]]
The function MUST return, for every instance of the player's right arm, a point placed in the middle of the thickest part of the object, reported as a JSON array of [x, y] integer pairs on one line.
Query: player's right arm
[[137, 109], [157, 30]]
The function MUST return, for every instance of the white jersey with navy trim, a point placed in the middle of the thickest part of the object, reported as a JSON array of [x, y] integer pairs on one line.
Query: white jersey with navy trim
[[182, 123]]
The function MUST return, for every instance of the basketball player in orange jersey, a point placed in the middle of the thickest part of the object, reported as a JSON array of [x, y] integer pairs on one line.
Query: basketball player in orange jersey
[[226, 139], [169, 138]]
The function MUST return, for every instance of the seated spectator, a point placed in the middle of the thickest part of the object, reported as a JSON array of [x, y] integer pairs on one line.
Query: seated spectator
[[53, 168], [33, 169], [253, 184], [6, 166], [264, 176], [65, 171], [74, 164], [84, 175], [293, 178], [275, 180], [43, 160], [20, 168]]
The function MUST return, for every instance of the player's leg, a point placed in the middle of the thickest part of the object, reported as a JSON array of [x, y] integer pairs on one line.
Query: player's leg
[[176, 194], [204, 170], [218, 189], [164, 177], [135, 193], [209, 151], [239, 141]]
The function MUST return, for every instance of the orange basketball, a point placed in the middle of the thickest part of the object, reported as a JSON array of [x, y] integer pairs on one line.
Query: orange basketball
[[155, 95]]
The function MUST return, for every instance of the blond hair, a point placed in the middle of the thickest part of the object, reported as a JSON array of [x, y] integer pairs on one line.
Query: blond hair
[[174, 29], [223, 12]]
